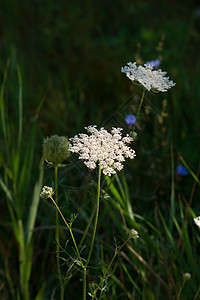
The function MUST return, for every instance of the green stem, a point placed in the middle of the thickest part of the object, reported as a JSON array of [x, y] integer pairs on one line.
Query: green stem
[[87, 228], [84, 283], [141, 101], [62, 284], [96, 217], [70, 230], [116, 252], [58, 237]]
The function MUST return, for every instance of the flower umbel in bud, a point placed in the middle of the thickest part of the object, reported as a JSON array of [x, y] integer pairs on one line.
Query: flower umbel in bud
[[55, 149], [47, 192]]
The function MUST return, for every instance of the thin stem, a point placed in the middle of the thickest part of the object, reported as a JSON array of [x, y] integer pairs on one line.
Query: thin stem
[[180, 291], [87, 228], [70, 230], [96, 217], [84, 283], [141, 101], [57, 237], [96, 290]]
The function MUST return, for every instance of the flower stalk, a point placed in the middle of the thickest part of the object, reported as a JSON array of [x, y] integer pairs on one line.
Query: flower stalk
[[96, 216], [138, 112]]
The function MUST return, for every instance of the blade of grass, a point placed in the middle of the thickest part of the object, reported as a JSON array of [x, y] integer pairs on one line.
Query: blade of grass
[[190, 171], [172, 207], [35, 204]]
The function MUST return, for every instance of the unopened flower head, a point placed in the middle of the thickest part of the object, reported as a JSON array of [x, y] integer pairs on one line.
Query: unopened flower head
[[197, 221], [56, 149], [109, 150], [150, 79], [47, 192]]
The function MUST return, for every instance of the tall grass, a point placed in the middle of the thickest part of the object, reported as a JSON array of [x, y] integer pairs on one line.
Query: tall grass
[[22, 198]]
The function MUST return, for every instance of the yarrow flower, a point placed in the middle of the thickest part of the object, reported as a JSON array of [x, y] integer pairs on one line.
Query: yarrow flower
[[47, 192], [181, 170], [150, 79], [130, 119], [55, 149], [197, 221], [109, 150], [153, 63]]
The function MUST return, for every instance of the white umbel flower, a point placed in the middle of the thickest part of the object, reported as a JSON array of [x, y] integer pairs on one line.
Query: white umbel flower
[[148, 77], [109, 150], [197, 221]]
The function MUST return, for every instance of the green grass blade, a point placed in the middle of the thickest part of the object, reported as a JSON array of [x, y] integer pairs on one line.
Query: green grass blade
[[131, 279], [114, 191], [6, 191], [127, 196], [191, 172], [25, 172], [179, 255], [172, 208], [197, 294], [35, 204], [40, 294], [20, 109], [2, 103]]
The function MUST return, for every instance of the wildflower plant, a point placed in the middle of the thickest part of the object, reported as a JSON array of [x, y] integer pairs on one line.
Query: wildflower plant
[[151, 79], [106, 150], [109, 150], [148, 78], [55, 152]]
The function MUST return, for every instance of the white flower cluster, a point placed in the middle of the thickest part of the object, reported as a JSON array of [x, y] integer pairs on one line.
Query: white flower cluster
[[109, 150], [148, 77], [197, 221], [47, 192]]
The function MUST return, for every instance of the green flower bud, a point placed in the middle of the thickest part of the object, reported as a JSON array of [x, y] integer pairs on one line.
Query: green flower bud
[[55, 149]]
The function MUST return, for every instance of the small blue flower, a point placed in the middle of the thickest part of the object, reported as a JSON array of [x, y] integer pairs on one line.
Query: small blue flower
[[153, 63], [181, 170], [130, 119]]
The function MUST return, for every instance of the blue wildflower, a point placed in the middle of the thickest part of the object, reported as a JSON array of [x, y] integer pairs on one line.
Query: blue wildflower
[[181, 170], [130, 119], [153, 63]]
